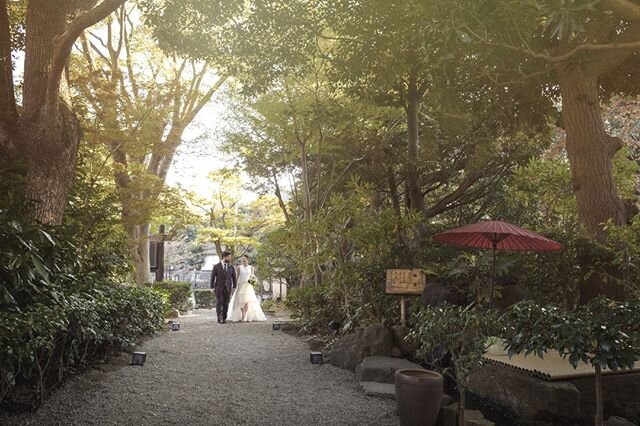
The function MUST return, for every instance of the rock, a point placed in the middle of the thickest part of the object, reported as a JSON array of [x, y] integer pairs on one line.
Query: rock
[[530, 397], [446, 400], [396, 352], [449, 417], [476, 418], [174, 313], [407, 347], [382, 369], [617, 421], [350, 350], [380, 390], [619, 395]]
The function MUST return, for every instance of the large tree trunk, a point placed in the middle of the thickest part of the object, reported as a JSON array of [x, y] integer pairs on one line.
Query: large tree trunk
[[51, 147], [49, 131], [46, 136], [590, 150], [415, 199]]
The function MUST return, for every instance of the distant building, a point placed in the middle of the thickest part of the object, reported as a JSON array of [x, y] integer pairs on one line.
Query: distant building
[[209, 260]]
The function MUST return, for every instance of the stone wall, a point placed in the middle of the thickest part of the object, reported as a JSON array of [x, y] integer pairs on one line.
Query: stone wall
[[572, 400]]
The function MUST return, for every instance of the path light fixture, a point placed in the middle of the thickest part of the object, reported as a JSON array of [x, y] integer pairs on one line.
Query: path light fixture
[[138, 358], [175, 326], [316, 358], [276, 325]]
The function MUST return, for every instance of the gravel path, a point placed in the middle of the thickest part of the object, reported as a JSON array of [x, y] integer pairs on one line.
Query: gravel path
[[206, 374]]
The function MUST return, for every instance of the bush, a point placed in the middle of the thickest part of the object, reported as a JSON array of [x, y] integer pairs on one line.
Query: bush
[[178, 293], [205, 298], [604, 334], [40, 343], [269, 305], [312, 308], [59, 309], [463, 332]]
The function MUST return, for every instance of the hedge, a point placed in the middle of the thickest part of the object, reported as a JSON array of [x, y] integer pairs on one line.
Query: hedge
[[40, 344], [178, 294], [205, 298]]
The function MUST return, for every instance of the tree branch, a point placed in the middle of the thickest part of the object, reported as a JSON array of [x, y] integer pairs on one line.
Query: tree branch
[[127, 49], [612, 59], [593, 47], [337, 179], [205, 99], [446, 201], [64, 43], [278, 193]]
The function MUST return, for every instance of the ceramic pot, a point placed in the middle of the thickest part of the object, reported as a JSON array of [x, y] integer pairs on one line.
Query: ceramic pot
[[418, 394]]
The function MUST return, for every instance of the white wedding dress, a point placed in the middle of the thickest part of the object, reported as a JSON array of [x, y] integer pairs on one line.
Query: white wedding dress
[[245, 296]]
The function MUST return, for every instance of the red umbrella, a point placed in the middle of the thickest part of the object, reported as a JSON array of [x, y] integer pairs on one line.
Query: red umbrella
[[497, 235]]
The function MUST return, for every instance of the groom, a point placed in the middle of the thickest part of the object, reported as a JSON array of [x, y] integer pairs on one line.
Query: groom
[[223, 282]]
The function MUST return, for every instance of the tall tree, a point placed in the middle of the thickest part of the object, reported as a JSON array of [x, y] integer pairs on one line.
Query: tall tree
[[44, 133], [231, 223], [586, 49], [142, 102]]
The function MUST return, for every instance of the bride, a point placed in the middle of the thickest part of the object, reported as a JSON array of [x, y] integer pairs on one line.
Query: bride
[[243, 305]]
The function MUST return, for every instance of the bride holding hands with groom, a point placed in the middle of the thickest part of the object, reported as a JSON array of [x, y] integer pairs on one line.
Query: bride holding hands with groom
[[235, 297]]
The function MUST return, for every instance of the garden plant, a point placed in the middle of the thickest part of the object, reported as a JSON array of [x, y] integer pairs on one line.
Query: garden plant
[[461, 331], [604, 334]]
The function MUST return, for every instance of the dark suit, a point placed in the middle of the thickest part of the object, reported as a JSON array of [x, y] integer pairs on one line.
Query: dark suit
[[222, 282]]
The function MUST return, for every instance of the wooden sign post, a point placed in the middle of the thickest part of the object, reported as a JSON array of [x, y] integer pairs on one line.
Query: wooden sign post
[[405, 282]]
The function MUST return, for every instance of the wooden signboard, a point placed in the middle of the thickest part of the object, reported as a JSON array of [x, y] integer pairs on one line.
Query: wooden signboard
[[405, 281]]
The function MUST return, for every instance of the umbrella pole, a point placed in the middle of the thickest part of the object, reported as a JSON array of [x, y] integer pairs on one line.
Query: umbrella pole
[[493, 277]]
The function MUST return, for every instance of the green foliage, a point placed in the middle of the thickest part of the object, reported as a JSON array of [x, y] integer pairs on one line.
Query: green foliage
[[178, 294], [17, 11], [58, 309], [312, 308], [463, 332], [474, 270], [34, 265], [228, 223], [270, 305], [539, 196], [92, 220], [355, 244], [603, 333], [43, 341], [625, 244], [205, 298]]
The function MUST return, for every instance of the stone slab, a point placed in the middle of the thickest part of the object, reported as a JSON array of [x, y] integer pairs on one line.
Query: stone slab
[[449, 417], [349, 351], [380, 390], [382, 369]]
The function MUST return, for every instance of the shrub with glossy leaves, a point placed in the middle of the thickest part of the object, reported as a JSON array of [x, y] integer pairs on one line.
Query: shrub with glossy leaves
[[41, 342], [603, 334]]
